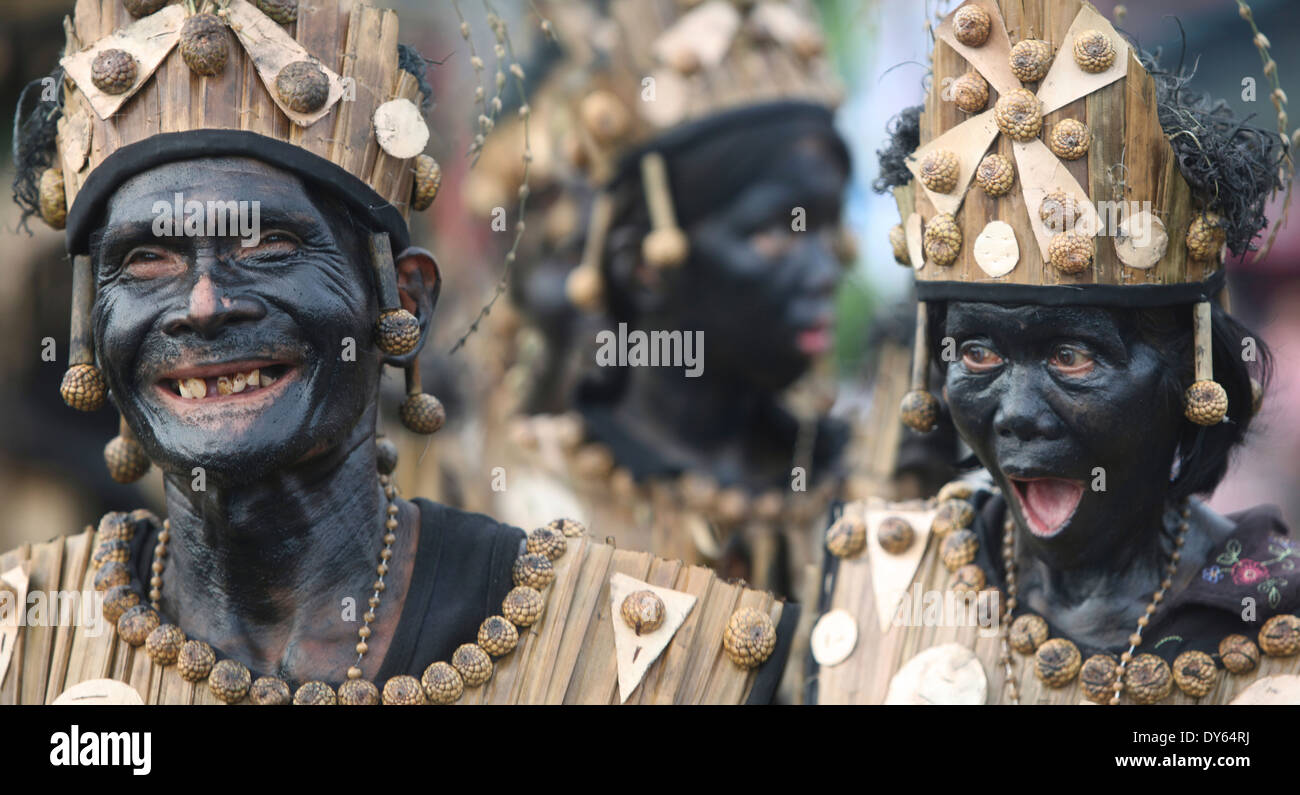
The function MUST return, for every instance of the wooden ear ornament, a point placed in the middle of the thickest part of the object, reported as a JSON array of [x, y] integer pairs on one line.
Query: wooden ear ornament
[[420, 412], [920, 410], [1205, 401], [124, 457], [666, 246], [83, 387], [397, 332]]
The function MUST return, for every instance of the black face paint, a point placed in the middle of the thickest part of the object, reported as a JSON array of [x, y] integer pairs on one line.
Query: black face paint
[[762, 271], [1052, 399], [171, 308]]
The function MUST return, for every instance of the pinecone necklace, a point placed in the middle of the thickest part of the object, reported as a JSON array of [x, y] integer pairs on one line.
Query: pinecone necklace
[[1057, 660]]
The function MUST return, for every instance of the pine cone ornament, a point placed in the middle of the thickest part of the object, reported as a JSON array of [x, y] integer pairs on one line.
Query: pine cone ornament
[[533, 570], [497, 636], [1280, 636], [204, 44], [1070, 252], [320, 694], [665, 248], [282, 11], [1019, 115], [546, 541], [968, 579], [442, 684], [1030, 60], [397, 332], [118, 600], [136, 623], [229, 681], [1059, 211], [1239, 653], [358, 693], [1205, 403], [1069, 139], [472, 663], [1057, 662], [958, 549], [1147, 679], [749, 638], [302, 86], [1205, 237], [1027, 633], [1097, 678], [143, 8], [895, 535], [898, 242], [955, 490], [422, 413], [952, 515], [523, 606], [126, 460], [919, 411], [971, 25], [643, 611], [269, 691], [847, 537], [164, 644], [970, 92], [113, 71], [570, 528], [83, 387], [114, 549], [112, 574], [195, 660], [1195, 673], [939, 171], [1093, 51], [54, 199], [428, 178], [403, 691], [942, 240], [995, 175]]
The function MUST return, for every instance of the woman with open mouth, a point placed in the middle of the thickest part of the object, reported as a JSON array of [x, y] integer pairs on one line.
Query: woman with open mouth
[[1090, 362]]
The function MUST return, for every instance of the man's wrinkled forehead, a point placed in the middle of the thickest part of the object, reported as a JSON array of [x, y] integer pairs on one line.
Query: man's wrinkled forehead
[[223, 179]]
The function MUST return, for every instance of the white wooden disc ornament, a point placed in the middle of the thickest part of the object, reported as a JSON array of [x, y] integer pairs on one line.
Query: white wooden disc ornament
[[834, 637], [100, 691], [1282, 689], [400, 128], [996, 250], [1141, 241], [947, 674]]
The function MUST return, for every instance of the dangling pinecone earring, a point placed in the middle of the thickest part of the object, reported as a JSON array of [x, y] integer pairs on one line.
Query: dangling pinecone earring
[[920, 409], [1205, 401], [397, 332], [421, 412], [125, 458], [83, 387]]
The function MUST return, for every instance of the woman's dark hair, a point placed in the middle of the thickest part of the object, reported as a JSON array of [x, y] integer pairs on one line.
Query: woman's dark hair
[[1203, 452]]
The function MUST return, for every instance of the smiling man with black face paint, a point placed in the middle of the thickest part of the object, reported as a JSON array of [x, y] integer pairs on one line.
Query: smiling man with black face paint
[[247, 368], [1102, 387]]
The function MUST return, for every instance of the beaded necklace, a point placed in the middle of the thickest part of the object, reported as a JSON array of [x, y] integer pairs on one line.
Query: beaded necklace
[[230, 680]]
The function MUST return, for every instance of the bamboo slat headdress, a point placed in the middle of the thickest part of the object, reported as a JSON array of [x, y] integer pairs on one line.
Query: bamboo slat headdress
[[321, 90], [654, 70], [1044, 176]]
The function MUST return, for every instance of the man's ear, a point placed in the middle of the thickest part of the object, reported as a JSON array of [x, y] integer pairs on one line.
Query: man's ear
[[418, 284]]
